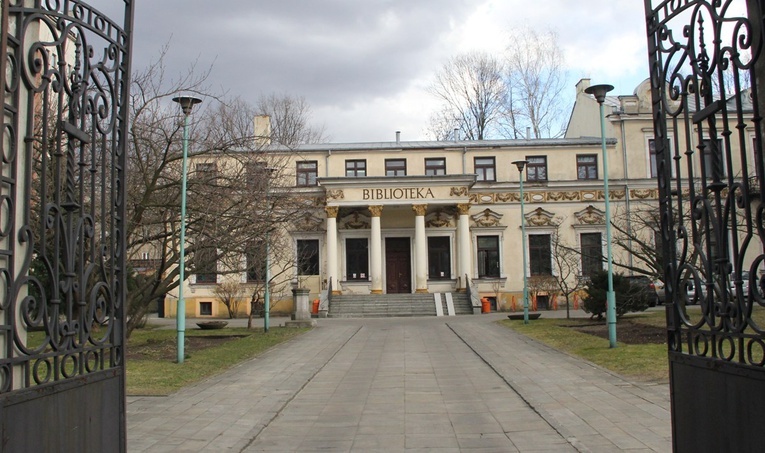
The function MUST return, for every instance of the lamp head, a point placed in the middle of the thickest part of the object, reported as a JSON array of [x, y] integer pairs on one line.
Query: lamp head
[[187, 103], [599, 91], [520, 164]]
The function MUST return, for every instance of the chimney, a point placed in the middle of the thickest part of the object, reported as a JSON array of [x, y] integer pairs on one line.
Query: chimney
[[398, 137], [456, 131], [262, 130], [528, 132]]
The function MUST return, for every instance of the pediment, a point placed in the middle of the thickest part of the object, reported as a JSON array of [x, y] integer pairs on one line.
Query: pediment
[[486, 218], [356, 220], [539, 217], [591, 216]]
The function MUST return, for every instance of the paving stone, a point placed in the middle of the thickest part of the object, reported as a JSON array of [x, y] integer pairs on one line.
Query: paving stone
[[415, 384]]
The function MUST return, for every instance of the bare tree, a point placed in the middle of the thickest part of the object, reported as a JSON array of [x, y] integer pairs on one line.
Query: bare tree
[[567, 262], [224, 165], [230, 294], [290, 117], [536, 81], [542, 285], [472, 90]]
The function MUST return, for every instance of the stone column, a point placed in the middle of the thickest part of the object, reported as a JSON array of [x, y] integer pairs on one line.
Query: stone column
[[420, 249], [332, 248], [375, 250], [463, 237]]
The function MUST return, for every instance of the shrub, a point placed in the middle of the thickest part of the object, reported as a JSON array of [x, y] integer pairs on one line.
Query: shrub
[[628, 298]]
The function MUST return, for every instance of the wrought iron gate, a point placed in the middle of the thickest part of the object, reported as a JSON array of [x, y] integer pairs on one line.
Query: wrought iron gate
[[706, 72], [64, 68]]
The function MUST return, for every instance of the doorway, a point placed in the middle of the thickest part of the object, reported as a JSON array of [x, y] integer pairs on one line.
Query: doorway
[[398, 267]]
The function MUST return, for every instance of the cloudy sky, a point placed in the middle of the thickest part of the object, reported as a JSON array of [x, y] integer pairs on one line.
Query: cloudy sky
[[364, 65]]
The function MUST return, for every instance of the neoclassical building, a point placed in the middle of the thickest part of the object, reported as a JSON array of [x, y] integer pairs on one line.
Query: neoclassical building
[[436, 216]]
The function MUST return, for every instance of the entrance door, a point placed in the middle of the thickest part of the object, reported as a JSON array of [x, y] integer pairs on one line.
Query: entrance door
[[398, 269]]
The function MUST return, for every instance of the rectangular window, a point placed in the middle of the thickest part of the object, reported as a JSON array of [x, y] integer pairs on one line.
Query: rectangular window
[[435, 166], [488, 256], [307, 172], [256, 174], [206, 263], [255, 254], [205, 308], [540, 256], [713, 158], [587, 166], [484, 168], [536, 169], [356, 168], [592, 253], [357, 259], [439, 258], [652, 158], [395, 167], [206, 173], [308, 256]]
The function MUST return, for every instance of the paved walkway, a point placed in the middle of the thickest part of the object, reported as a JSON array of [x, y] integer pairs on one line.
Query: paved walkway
[[446, 384]]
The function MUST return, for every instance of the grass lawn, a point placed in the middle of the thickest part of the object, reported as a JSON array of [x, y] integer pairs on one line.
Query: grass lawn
[[644, 362], [151, 355]]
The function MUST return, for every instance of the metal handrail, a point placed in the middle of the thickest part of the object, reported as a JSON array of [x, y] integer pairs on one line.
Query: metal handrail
[[473, 297]]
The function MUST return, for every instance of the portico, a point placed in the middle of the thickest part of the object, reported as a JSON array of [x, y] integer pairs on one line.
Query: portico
[[398, 234]]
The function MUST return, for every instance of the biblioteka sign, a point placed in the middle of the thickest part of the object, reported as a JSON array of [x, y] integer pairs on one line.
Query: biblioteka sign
[[401, 193]]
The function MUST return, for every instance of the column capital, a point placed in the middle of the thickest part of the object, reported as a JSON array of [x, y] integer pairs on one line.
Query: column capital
[[331, 211], [420, 209], [376, 210], [463, 208]]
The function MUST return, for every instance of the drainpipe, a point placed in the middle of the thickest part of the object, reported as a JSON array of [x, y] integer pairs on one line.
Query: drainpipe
[[326, 163], [464, 159]]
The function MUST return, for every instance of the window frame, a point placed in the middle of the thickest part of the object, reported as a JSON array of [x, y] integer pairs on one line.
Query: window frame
[[535, 168], [255, 253], [586, 166], [352, 166], [706, 160], [443, 255], [586, 262], [484, 256], [533, 251], [435, 166], [206, 304], [208, 276], [315, 262], [363, 263], [481, 169], [392, 167], [306, 176]]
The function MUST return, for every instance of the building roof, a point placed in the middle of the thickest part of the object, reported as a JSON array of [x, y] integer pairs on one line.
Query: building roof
[[447, 144]]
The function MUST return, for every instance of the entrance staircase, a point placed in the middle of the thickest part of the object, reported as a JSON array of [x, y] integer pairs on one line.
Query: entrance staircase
[[389, 305]]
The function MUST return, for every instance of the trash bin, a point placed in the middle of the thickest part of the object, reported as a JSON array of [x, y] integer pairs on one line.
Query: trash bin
[[485, 305], [315, 307]]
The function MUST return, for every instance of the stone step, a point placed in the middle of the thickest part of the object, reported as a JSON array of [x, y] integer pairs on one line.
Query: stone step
[[388, 305]]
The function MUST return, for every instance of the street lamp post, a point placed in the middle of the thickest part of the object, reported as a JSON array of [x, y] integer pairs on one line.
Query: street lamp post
[[599, 91], [187, 104], [521, 164]]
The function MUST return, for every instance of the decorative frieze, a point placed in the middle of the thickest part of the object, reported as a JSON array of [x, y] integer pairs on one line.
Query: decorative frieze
[[559, 196], [439, 219], [335, 194], [308, 222], [355, 221], [459, 192]]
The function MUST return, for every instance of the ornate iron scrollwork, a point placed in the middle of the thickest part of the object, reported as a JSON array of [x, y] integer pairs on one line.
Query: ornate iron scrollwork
[[62, 193], [708, 136]]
